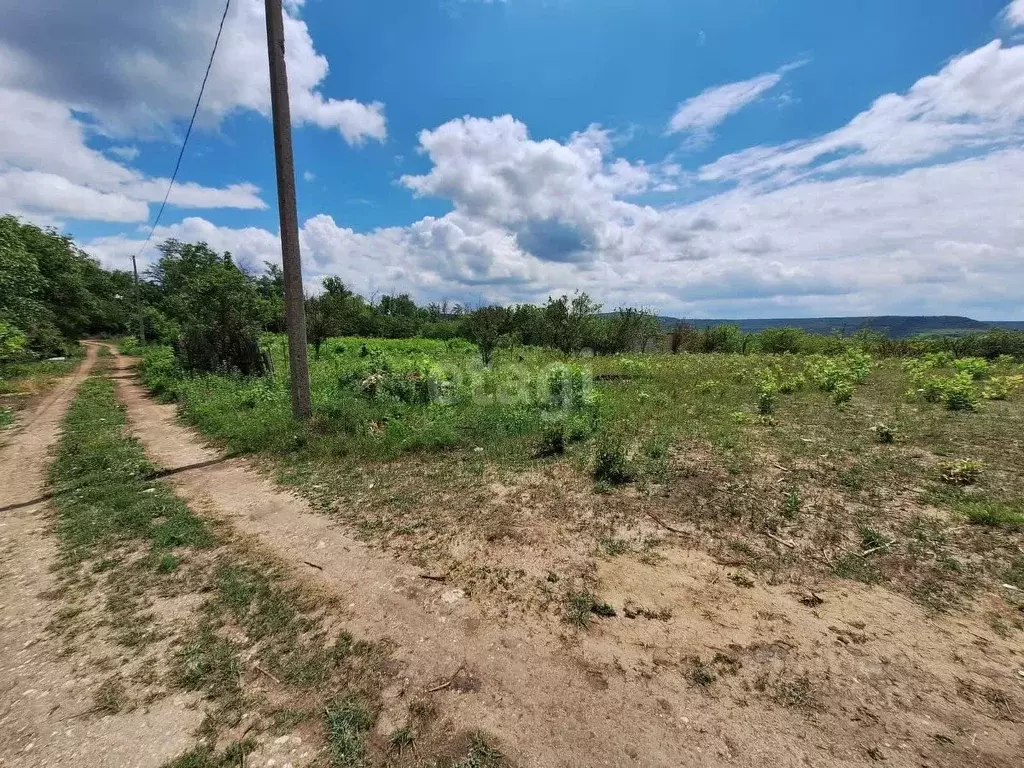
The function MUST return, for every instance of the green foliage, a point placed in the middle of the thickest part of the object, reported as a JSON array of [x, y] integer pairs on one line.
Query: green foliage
[[52, 292], [627, 330], [767, 391], [722, 339], [842, 392], [160, 369], [12, 342], [959, 394], [102, 485], [571, 324], [777, 341], [975, 367], [485, 327], [1001, 387], [838, 374], [347, 720], [791, 384], [569, 386], [612, 461], [961, 472], [884, 433], [218, 307]]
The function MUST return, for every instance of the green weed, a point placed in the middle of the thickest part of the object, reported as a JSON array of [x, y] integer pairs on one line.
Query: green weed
[[348, 720], [580, 607], [993, 513], [962, 472]]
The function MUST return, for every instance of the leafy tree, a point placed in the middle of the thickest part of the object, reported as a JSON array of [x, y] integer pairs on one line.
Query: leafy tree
[[684, 338], [271, 288], [54, 292], [12, 341], [485, 327], [218, 307], [334, 287], [318, 322], [571, 323], [625, 331]]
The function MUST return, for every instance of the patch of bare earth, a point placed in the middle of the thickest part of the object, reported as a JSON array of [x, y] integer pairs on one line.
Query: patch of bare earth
[[706, 662], [48, 700]]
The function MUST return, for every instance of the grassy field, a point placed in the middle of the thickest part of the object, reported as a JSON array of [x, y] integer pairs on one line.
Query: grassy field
[[904, 473]]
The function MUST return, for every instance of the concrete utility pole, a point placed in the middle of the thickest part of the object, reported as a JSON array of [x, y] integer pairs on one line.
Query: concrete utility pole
[[295, 311], [138, 303]]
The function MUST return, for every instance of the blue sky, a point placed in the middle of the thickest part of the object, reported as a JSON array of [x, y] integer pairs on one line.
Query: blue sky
[[699, 158]]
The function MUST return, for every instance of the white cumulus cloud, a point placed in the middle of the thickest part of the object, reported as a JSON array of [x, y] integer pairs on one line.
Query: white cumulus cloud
[[134, 67], [51, 173]]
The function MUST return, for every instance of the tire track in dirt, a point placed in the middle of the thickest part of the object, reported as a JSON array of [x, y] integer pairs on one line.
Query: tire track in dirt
[[46, 704], [551, 700]]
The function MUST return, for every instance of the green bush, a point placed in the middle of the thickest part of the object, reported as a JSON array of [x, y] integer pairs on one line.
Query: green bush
[[1001, 387], [884, 433], [612, 463], [960, 394], [12, 342], [976, 367], [842, 392], [792, 384], [767, 390], [160, 370], [962, 472], [569, 386]]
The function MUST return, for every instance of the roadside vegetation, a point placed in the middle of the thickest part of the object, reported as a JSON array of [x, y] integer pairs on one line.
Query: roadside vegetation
[[165, 601], [786, 466]]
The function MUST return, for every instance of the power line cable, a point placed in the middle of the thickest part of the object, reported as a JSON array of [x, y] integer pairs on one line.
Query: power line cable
[[188, 133]]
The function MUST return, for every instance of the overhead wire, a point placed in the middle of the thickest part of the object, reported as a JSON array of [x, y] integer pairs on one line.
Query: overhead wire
[[188, 132]]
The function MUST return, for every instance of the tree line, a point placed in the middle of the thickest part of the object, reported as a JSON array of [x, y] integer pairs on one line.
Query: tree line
[[213, 311]]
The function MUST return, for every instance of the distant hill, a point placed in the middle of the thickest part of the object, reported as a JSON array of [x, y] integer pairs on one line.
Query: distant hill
[[895, 326]]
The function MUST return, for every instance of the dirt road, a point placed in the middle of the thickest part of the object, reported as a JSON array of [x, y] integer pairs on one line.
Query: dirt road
[[46, 697]]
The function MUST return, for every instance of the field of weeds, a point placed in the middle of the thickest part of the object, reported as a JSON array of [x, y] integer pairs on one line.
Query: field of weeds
[[513, 480]]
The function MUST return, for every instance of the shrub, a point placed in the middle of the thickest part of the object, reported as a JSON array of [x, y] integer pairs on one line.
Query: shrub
[[975, 367], [781, 340], [933, 389], [1001, 387], [857, 363], [160, 370], [612, 463], [553, 437], [792, 384], [960, 394], [569, 386], [962, 472], [827, 373], [884, 433], [12, 341], [767, 389], [842, 392], [412, 379]]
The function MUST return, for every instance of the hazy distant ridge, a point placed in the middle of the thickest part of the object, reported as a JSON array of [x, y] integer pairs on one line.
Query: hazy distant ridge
[[895, 326]]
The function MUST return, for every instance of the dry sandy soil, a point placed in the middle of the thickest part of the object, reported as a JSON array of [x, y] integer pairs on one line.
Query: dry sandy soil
[[705, 668], [47, 706]]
